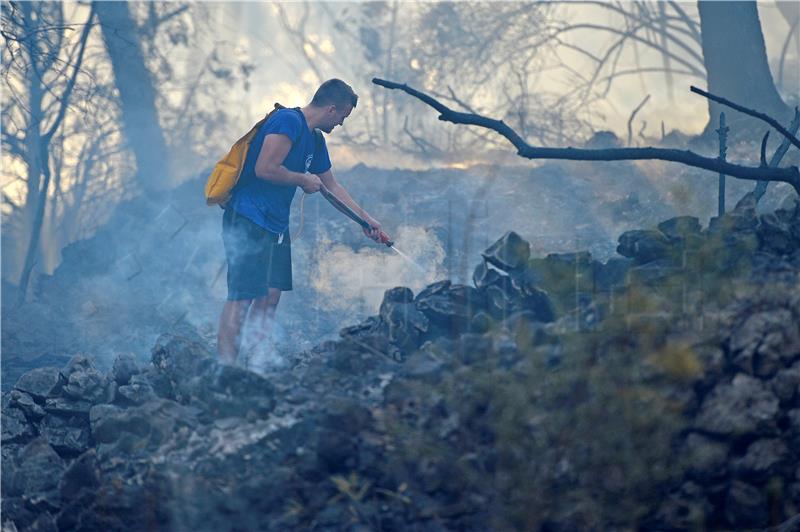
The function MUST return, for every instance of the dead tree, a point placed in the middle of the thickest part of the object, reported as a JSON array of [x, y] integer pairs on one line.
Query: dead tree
[[763, 172], [38, 44], [736, 63], [137, 94]]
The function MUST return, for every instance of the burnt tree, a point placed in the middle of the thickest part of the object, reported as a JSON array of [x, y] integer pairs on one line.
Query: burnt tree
[[736, 64], [137, 94]]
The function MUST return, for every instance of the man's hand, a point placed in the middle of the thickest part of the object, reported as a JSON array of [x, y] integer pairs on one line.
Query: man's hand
[[374, 232], [311, 184]]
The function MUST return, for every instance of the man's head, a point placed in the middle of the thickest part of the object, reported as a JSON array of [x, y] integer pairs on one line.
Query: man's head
[[335, 100]]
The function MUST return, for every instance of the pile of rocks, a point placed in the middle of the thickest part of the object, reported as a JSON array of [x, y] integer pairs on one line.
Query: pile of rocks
[[742, 446], [399, 423]]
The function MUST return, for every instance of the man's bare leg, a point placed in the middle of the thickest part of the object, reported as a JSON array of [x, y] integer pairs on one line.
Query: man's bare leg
[[231, 323], [260, 320]]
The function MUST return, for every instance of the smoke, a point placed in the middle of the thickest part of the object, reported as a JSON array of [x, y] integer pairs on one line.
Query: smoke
[[354, 281]]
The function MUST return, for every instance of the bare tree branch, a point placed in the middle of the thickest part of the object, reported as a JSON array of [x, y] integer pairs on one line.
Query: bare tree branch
[[761, 116], [789, 175], [65, 98], [633, 115]]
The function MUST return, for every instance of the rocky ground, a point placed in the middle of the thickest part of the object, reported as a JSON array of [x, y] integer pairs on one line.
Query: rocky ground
[[157, 263], [656, 390]]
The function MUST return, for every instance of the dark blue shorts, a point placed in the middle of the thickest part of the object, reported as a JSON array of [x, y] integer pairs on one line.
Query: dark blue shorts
[[256, 261]]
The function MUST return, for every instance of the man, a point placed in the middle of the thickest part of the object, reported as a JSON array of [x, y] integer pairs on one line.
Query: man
[[285, 154]]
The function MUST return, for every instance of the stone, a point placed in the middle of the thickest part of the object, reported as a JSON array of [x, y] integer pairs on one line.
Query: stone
[[763, 459], [436, 288], [136, 393], [64, 406], [509, 253], [405, 322], [685, 510], [178, 357], [538, 303], [78, 362], [41, 383], [644, 245], [612, 274], [356, 356], [38, 472], [484, 275], [125, 366], [499, 302], [786, 383], [707, 458], [367, 326], [793, 431], [466, 295], [134, 429], [445, 313], [8, 453], [45, 522], [775, 234], [69, 436], [15, 427], [87, 385], [736, 221], [746, 505], [25, 402], [81, 474], [225, 391], [676, 229], [765, 341], [398, 294], [16, 513], [160, 382], [743, 407]]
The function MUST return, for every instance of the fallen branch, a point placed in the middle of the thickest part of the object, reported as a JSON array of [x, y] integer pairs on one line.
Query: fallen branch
[[789, 175], [761, 116]]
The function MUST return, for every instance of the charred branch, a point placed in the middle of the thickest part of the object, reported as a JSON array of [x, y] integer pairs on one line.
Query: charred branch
[[761, 116], [761, 187], [633, 115], [789, 175]]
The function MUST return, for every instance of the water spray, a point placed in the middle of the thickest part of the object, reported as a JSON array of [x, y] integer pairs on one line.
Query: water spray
[[383, 238]]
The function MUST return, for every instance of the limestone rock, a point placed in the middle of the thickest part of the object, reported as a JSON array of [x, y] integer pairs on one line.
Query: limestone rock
[[707, 457], [746, 505], [743, 407], [509, 253], [765, 341], [678, 228], [763, 459], [125, 366], [644, 245], [41, 383]]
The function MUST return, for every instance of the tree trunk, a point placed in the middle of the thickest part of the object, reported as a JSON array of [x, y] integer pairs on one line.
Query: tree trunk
[[137, 95], [737, 69]]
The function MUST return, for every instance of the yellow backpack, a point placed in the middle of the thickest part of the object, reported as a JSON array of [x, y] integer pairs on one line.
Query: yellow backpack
[[226, 172]]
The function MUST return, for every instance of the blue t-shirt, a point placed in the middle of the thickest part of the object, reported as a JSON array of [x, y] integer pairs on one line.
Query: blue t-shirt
[[266, 203]]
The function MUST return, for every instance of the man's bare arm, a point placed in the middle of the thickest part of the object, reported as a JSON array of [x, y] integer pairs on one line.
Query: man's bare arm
[[339, 191], [269, 165]]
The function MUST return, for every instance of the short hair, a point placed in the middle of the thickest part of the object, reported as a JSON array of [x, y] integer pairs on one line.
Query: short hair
[[334, 92]]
